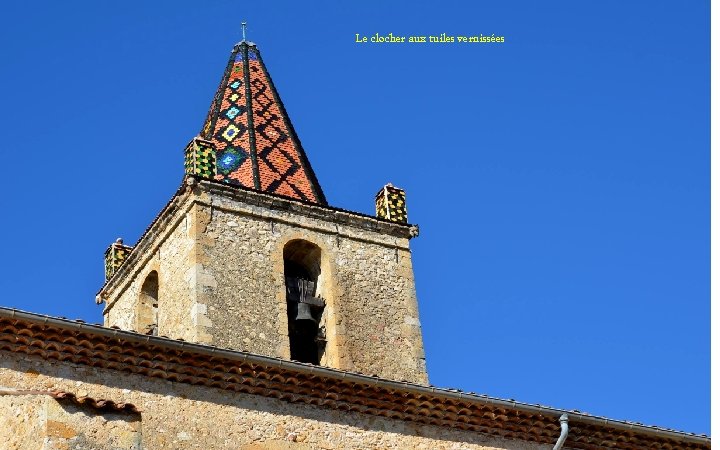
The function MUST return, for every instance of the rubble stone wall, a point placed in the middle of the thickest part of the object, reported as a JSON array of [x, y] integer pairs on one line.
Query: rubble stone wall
[[173, 257], [32, 422], [366, 279], [182, 416], [219, 256]]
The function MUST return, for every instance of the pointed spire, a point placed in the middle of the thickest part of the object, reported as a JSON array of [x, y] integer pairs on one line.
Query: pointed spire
[[256, 145]]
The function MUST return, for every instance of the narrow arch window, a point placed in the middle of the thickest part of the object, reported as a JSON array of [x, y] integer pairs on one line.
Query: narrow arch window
[[303, 280], [147, 308]]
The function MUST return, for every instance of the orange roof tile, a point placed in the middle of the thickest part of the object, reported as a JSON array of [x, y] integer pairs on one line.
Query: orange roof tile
[[183, 362], [99, 404], [254, 139]]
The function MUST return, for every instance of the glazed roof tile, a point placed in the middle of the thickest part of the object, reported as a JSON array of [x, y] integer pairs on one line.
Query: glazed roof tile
[[255, 143]]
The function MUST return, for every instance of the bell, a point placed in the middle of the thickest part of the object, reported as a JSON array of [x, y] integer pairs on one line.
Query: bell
[[303, 313]]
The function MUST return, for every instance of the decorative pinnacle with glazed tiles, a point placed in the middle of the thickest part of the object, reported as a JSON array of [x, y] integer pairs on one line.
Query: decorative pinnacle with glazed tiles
[[254, 141]]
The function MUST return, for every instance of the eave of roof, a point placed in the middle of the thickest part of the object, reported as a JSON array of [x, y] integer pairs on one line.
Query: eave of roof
[[174, 360], [99, 404]]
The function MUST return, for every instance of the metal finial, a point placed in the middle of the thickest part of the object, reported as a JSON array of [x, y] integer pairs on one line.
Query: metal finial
[[244, 26]]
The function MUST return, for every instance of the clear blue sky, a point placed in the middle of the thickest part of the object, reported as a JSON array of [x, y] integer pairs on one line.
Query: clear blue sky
[[560, 180]]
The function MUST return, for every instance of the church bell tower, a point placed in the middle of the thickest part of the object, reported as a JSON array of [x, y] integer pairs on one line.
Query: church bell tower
[[248, 255]]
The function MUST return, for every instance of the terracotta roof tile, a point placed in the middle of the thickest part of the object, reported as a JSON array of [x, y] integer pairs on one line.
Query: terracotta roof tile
[[183, 362], [99, 404], [254, 139]]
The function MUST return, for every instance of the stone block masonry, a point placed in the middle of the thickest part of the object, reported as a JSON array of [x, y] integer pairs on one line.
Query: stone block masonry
[[38, 421], [183, 416], [218, 251]]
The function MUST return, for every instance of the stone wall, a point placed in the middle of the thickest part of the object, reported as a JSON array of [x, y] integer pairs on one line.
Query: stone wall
[[220, 260], [173, 258], [366, 280], [23, 422], [32, 422], [180, 416]]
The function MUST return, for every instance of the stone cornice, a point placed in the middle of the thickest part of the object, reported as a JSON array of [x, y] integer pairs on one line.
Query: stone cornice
[[192, 191], [310, 210]]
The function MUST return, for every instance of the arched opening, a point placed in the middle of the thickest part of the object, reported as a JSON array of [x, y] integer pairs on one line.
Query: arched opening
[[303, 284], [147, 309]]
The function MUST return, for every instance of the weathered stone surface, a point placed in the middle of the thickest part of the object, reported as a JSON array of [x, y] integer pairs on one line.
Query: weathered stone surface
[[182, 416], [38, 421], [219, 256], [23, 422]]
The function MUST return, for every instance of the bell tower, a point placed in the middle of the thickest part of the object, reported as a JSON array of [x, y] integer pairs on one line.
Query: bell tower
[[248, 255]]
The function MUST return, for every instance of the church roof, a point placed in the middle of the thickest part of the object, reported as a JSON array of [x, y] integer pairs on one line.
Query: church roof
[[76, 342], [255, 143]]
